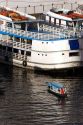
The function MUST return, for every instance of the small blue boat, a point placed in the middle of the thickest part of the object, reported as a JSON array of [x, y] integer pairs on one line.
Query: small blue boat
[[57, 89]]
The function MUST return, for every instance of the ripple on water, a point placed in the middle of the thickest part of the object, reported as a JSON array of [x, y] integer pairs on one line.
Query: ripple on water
[[26, 101]]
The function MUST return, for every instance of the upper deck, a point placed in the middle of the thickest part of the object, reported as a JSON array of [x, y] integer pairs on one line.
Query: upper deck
[[36, 30], [27, 27]]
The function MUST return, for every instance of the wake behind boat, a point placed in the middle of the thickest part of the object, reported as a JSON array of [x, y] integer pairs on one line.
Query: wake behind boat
[[57, 89]]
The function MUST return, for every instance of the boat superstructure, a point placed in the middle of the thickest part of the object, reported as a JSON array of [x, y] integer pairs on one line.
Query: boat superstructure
[[30, 43]]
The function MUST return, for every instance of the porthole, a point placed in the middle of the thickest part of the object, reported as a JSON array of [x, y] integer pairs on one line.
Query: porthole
[[62, 53]]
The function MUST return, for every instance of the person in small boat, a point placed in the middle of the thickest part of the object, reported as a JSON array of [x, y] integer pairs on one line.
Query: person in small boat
[[61, 91]]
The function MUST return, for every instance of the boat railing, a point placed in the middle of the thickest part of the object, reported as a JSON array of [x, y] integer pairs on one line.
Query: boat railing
[[34, 34], [18, 56], [16, 44], [27, 34], [45, 27], [54, 33], [67, 31]]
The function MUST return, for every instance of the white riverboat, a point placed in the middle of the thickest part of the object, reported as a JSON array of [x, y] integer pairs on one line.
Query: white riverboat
[[40, 44]]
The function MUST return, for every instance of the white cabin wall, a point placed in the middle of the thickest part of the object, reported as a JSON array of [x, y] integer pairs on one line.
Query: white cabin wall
[[57, 21], [63, 22], [51, 52], [53, 58], [52, 19], [45, 46], [47, 18]]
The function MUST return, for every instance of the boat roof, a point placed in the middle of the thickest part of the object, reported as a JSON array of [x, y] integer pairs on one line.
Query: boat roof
[[14, 14], [55, 84], [58, 16], [29, 21], [66, 14], [78, 19], [21, 13], [56, 10], [5, 18]]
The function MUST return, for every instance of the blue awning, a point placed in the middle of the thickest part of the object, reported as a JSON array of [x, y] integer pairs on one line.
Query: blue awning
[[74, 44], [56, 85]]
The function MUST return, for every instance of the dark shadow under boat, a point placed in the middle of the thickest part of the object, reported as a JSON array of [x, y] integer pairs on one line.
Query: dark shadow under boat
[[67, 72]]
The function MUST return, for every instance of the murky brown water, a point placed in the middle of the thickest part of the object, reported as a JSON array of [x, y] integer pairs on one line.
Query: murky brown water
[[24, 99]]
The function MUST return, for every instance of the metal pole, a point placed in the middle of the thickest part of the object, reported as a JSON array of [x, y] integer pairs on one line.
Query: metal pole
[[6, 3], [43, 8], [34, 9], [52, 5]]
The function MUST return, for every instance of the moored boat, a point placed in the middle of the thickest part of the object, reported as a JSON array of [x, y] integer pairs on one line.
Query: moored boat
[[39, 44], [57, 89]]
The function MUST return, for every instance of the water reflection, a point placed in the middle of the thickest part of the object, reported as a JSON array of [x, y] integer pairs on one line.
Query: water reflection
[[26, 100]]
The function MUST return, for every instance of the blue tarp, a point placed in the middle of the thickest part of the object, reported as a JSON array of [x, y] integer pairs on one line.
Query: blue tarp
[[54, 84], [74, 44]]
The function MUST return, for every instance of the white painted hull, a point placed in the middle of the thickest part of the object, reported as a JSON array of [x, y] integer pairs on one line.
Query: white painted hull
[[46, 67], [53, 57]]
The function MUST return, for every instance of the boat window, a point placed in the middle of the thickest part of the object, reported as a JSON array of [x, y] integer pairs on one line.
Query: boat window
[[22, 52], [69, 24], [15, 51], [9, 49], [18, 26], [49, 19], [0, 46], [59, 22], [23, 26], [29, 42], [28, 53], [74, 54], [62, 53], [9, 24], [54, 20], [32, 26], [4, 47]]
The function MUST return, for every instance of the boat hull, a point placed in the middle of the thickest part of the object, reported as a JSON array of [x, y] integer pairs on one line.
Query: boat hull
[[51, 71], [57, 94]]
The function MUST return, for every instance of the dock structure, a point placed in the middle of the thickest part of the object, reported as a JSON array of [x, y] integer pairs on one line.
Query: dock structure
[[33, 7]]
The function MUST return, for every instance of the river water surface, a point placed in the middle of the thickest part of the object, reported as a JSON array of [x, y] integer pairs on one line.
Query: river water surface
[[24, 99]]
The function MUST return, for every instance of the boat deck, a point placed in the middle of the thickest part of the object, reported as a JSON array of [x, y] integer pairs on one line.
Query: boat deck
[[45, 33]]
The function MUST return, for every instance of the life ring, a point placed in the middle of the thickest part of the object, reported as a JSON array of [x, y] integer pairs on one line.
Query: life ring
[[24, 63]]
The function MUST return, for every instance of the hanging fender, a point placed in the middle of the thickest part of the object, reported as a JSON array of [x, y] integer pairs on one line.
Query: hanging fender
[[24, 63]]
